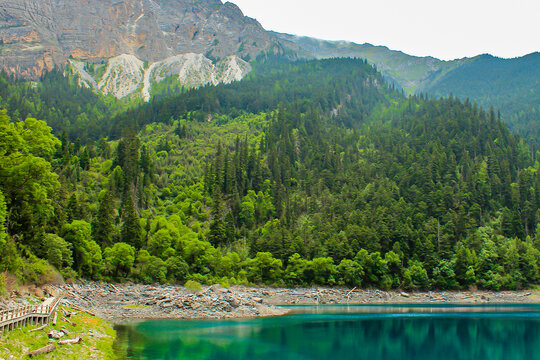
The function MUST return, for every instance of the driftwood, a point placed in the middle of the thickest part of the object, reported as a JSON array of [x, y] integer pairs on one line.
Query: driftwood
[[55, 334], [70, 341], [43, 350], [81, 309], [69, 322], [404, 294], [38, 328]]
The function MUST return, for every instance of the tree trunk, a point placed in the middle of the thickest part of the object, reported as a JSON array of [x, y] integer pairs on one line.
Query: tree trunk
[[43, 350]]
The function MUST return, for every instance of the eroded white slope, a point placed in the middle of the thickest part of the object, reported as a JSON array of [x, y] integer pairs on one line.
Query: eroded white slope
[[231, 68], [85, 79], [123, 76]]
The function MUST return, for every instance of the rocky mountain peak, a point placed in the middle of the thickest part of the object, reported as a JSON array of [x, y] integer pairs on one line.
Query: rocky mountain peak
[[38, 35]]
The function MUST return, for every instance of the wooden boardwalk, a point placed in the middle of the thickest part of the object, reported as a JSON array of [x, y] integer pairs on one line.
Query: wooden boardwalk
[[30, 314]]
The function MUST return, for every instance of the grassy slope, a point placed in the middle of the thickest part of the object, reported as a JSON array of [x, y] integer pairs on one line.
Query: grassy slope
[[97, 336]]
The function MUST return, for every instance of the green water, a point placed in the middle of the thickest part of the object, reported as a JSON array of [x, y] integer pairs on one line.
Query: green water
[[346, 332]]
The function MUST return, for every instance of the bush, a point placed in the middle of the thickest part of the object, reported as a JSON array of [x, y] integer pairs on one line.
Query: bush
[[193, 286], [350, 273], [177, 269], [38, 272], [415, 277], [3, 290]]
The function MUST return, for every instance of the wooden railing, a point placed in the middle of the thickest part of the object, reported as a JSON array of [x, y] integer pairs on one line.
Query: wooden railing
[[33, 314]]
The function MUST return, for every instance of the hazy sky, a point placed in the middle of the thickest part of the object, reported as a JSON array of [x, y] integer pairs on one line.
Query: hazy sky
[[445, 29]]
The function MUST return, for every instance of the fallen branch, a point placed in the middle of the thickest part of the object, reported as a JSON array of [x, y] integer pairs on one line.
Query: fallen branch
[[43, 350], [38, 328], [81, 309], [350, 292], [69, 322], [70, 341]]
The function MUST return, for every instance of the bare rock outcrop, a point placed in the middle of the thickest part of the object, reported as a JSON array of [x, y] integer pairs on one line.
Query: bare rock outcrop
[[38, 35]]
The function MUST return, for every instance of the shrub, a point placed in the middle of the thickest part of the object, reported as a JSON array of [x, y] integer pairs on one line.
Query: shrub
[[3, 290], [193, 286]]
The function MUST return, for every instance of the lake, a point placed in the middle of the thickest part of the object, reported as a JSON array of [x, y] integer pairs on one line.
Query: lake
[[346, 332]]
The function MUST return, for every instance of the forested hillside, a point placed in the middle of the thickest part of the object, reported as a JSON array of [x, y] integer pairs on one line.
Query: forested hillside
[[509, 85], [314, 172], [58, 100]]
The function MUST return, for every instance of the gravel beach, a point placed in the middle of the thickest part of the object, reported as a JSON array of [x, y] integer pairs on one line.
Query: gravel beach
[[122, 303]]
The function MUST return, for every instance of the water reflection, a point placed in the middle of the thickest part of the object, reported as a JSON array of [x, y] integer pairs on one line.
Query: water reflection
[[350, 332]]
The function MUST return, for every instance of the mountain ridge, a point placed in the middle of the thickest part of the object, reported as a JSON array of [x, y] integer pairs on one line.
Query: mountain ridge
[[37, 36]]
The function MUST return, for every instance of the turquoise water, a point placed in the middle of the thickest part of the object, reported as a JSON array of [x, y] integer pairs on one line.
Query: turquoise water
[[346, 332]]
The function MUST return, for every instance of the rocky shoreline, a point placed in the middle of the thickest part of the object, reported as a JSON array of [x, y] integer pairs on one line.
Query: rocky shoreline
[[131, 302]]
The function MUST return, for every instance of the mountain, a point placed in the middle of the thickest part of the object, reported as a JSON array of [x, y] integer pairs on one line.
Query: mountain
[[142, 48], [509, 85], [411, 73], [38, 35]]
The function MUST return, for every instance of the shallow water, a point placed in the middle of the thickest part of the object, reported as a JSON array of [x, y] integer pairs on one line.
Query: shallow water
[[346, 332]]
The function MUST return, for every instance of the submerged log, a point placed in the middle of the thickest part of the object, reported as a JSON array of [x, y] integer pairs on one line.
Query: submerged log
[[43, 350]]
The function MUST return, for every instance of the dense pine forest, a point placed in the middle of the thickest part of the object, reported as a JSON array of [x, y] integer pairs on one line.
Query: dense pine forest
[[510, 85], [304, 173]]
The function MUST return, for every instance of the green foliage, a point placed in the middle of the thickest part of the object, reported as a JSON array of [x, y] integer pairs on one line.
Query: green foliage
[[59, 253], [177, 269], [3, 234], [119, 260], [150, 269], [508, 85], [264, 268], [3, 290], [444, 277], [87, 254], [333, 178], [415, 277], [193, 286], [27, 180], [350, 273]]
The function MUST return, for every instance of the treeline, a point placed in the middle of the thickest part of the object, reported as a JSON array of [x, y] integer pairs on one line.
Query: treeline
[[509, 85], [371, 190], [326, 85], [61, 102]]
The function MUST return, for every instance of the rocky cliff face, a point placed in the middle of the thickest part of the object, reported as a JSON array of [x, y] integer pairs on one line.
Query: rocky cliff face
[[37, 35]]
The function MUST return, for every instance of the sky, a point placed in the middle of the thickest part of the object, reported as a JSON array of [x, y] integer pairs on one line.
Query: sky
[[444, 29]]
